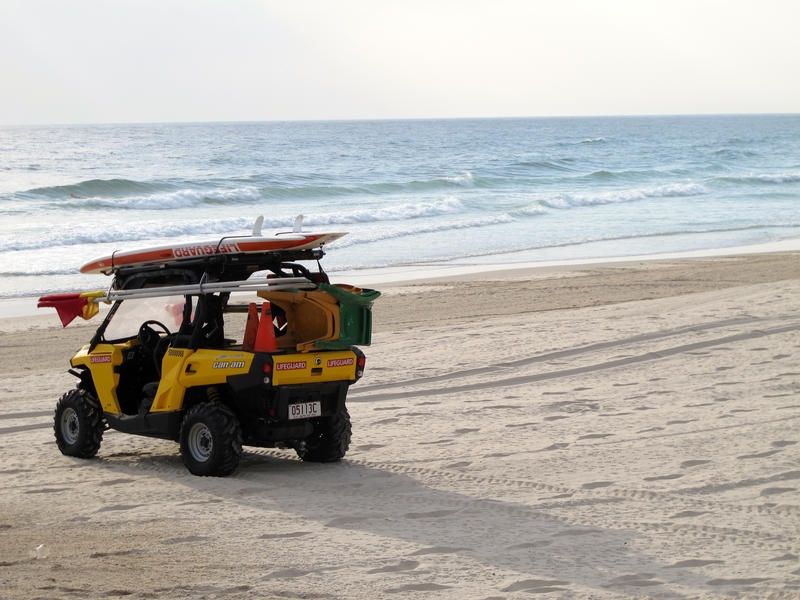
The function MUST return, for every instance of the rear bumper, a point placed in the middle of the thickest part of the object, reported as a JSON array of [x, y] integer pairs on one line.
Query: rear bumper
[[265, 415]]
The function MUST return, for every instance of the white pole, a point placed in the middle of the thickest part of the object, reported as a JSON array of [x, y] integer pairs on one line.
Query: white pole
[[208, 288]]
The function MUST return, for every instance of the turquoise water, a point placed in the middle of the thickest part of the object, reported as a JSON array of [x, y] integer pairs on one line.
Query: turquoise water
[[407, 191]]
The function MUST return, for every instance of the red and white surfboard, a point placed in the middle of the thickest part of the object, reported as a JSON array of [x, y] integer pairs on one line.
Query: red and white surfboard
[[240, 245]]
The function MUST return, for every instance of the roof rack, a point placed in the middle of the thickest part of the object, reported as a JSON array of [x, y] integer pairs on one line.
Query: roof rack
[[197, 289]]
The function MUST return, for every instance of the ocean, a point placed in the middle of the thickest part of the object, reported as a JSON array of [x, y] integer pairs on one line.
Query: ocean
[[465, 191]]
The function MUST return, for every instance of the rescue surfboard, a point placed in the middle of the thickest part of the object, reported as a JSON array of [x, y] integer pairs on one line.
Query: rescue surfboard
[[191, 250]]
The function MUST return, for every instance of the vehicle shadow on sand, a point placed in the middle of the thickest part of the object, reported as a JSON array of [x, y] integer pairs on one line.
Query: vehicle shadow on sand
[[549, 553]]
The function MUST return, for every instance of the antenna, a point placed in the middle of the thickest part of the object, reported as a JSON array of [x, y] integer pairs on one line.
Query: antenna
[[257, 225], [298, 224]]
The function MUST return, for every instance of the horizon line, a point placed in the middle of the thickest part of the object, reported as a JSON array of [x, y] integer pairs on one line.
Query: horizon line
[[389, 119]]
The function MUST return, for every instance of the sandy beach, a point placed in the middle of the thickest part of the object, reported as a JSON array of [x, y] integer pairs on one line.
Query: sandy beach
[[600, 431]]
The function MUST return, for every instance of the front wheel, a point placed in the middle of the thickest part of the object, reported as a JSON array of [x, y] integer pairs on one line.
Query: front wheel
[[330, 440], [211, 440], [79, 424]]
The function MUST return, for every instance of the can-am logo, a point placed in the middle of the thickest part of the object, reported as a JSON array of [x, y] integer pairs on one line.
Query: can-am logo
[[291, 366], [101, 358], [341, 362], [228, 364]]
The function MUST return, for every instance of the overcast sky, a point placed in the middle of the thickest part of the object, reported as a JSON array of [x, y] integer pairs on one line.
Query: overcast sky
[[99, 61]]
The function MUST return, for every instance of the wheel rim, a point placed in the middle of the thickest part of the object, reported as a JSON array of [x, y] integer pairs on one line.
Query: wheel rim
[[70, 426], [200, 442]]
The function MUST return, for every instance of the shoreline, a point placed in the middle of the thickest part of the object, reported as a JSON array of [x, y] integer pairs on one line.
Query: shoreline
[[461, 269]]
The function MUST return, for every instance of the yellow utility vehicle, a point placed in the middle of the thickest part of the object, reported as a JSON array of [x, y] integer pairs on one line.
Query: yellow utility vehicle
[[280, 381]]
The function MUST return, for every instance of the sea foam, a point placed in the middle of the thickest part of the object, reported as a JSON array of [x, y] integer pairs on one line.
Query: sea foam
[[79, 233], [572, 200], [762, 178]]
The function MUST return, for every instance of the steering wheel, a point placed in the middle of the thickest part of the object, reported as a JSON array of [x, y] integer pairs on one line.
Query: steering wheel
[[150, 338]]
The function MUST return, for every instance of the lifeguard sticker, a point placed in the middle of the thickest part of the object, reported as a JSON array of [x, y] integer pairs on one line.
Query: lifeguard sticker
[[341, 362], [203, 250], [100, 358], [291, 366]]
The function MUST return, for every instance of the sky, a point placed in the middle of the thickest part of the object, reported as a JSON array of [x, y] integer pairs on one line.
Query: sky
[[114, 61]]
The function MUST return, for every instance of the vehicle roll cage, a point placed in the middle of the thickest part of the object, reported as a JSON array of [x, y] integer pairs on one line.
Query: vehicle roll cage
[[206, 277]]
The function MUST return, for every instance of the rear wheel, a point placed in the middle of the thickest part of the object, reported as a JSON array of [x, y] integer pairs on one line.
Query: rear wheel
[[211, 440], [79, 424], [330, 440]]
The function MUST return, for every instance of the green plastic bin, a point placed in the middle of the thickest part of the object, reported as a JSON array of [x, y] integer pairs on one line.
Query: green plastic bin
[[355, 316]]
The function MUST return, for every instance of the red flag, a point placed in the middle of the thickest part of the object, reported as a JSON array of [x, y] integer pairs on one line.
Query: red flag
[[68, 306]]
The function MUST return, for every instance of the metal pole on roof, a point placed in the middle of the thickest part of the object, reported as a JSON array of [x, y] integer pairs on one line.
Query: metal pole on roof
[[247, 285]]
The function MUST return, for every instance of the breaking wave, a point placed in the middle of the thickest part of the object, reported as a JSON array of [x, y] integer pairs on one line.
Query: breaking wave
[[762, 178], [172, 200], [446, 206], [126, 194], [562, 201], [39, 272], [529, 211], [150, 230], [98, 187]]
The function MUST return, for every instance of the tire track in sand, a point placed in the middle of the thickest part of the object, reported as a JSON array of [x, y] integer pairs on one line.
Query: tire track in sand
[[611, 364], [567, 352], [528, 360]]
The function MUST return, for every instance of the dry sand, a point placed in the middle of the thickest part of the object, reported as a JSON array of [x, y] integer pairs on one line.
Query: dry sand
[[602, 432]]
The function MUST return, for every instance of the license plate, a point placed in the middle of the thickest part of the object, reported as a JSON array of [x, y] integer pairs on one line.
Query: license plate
[[305, 410]]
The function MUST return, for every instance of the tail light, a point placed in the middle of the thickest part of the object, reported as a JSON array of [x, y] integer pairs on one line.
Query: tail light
[[267, 368], [361, 362]]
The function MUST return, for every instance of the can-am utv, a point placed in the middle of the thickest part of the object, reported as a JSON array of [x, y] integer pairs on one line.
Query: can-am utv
[[280, 381]]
